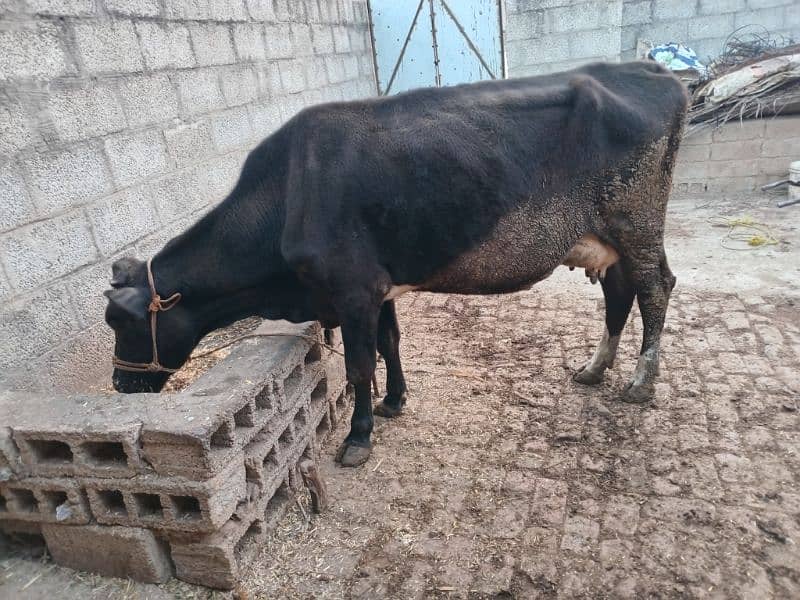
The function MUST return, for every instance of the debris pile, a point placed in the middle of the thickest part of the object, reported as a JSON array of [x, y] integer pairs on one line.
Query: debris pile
[[756, 75], [763, 87], [136, 485]]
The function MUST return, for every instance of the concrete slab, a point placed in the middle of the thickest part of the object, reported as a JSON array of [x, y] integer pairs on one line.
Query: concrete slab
[[126, 552]]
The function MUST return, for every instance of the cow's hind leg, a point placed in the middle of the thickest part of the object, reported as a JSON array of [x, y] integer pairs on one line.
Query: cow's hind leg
[[654, 282], [619, 294], [389, 347]]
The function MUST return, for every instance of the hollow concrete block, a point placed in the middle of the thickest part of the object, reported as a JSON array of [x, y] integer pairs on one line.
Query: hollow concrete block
[[127, 552]]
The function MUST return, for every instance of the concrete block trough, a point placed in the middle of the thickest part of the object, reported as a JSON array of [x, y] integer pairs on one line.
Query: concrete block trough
[[149, 486]]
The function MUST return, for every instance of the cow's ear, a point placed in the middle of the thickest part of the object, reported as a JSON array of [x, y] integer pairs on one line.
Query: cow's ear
[[133, 301], [122, 271]]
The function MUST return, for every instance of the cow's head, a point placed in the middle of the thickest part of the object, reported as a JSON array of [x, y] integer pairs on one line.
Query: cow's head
[[129, 316]]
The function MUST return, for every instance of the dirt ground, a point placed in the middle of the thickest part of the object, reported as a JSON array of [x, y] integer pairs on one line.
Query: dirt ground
[[504, 479]]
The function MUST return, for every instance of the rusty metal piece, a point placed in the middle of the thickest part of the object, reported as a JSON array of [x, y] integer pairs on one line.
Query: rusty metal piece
[[315, 485]]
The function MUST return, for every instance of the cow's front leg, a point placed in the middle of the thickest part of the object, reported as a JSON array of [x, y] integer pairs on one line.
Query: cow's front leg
[[359, 332], [389, 347]]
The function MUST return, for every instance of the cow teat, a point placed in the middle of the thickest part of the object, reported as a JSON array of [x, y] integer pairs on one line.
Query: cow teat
[[593, 254]]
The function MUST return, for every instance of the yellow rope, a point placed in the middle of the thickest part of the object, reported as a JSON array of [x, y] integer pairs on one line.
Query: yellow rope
[[745, 230]]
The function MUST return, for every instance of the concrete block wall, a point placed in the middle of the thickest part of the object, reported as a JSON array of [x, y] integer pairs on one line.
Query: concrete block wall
[[738, 157], [543, 36], [704, 25], [121, 122]]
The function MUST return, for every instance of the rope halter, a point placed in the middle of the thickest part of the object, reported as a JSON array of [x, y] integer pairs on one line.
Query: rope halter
[[157, 304]]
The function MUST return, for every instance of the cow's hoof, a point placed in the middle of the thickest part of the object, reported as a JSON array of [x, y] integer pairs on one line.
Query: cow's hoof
[[386, 411], [390, 409], [638, 394], [352, 456], [587, 377]]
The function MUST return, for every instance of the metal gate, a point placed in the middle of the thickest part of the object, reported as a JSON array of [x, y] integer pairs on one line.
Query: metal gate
[[423, 43]]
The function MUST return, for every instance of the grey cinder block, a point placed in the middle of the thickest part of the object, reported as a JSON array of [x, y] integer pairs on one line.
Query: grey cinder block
[[165, 45], [189, 143], [174, 195], [18, 208], [634, 13], [198, 448], [199, 91], [134, 8], [239, 84], [322, 39], [32, 51], [665, 10], [187, 10], [40, 252], [341, 39], [710, 26], [249, 41], [26, 327], [351, 69], [265, 118], [715, 7], [84, 112], [121, 219], [261, 10], [269, 80], [279, 41], [148, 99], [64, 180], [228, 10], [231, 129], [67, 8], [292, 76], [108, 46], [137, 156], [301, 39], [16, 130], [213, 44], [335, 68]]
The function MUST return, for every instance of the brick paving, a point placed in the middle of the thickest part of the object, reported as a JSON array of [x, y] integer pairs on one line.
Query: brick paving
[[506, 479]]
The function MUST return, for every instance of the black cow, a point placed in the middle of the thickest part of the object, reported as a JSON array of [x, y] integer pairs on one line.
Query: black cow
[[475, 189]]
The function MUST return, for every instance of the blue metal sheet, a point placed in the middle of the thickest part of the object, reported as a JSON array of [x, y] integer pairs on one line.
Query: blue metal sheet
[[467, 42], [391, 23], [468, 31]]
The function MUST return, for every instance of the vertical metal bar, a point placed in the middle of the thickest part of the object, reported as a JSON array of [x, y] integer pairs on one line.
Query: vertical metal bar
[[435, 46], [374, 48], [500, 17]]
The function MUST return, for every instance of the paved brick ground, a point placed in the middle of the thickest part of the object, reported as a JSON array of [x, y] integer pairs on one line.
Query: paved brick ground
[[505, 479]]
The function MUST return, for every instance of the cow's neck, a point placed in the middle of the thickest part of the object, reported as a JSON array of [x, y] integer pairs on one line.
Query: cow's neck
[[224, 263]]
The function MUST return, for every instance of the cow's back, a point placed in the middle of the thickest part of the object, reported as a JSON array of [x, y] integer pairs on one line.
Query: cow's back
[[426, 177]]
